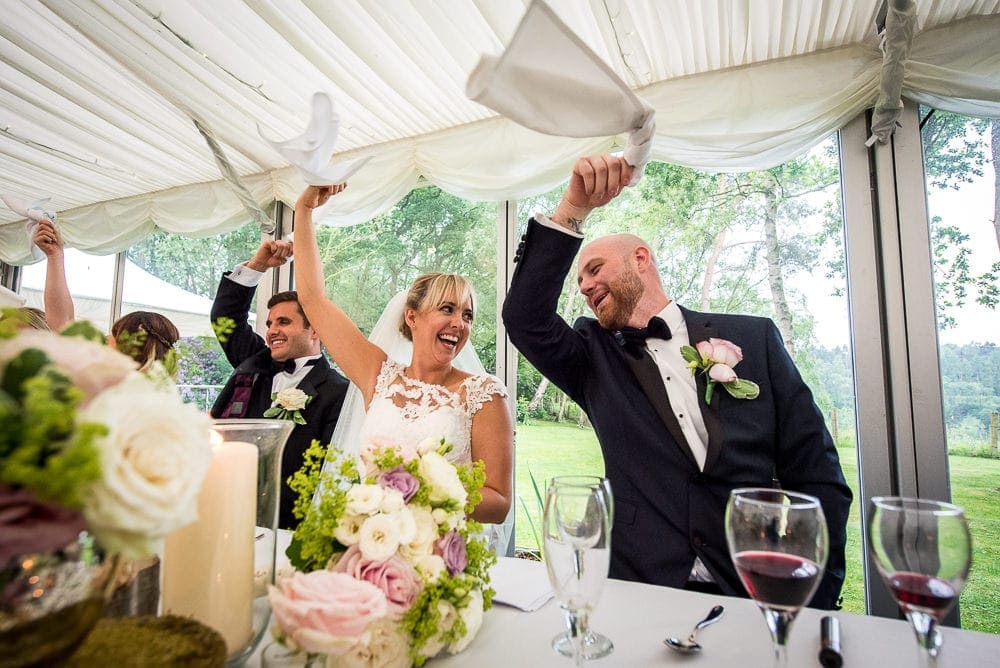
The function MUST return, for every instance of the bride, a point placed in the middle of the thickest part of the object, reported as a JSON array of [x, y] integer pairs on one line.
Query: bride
[[428, 396]]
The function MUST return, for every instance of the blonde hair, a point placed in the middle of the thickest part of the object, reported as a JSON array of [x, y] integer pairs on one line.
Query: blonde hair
[[430, 291], [29, 317]]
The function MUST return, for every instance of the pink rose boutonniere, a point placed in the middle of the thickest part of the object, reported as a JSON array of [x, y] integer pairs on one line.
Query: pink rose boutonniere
[[716, 358]]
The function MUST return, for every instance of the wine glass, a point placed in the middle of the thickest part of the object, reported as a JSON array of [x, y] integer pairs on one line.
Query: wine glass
[[595, 645], [923, 550], [779, 543], [576, 527]]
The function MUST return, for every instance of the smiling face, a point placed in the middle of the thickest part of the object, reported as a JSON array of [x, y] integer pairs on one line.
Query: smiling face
[[610, 282], [442, 330], [287, 336]]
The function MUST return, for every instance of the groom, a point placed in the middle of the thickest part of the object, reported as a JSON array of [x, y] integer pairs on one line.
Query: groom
[[672, 460], [289, 357]]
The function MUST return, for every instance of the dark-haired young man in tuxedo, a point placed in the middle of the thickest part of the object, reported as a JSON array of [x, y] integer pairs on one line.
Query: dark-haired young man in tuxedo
[[671, 458], [288, 357]]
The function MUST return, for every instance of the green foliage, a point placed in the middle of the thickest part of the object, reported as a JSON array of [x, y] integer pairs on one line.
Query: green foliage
[[223, 327], [84, 329], [42, 447]]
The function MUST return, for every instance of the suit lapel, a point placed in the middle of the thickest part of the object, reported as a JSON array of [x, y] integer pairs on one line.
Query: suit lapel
[[648, 375], [700, 328]]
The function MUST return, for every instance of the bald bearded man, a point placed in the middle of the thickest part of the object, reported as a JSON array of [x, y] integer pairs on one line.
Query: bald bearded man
[[671, 458]]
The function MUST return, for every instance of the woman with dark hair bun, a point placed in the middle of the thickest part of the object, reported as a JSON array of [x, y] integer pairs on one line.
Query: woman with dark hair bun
[[144, 336]]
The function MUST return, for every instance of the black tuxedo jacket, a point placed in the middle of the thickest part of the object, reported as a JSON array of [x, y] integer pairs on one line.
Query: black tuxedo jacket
[[251, 359], [667, 511]]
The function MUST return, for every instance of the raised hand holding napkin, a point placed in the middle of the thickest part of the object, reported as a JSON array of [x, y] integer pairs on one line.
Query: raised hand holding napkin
[[550, 81], [34, 213], [310, 151]]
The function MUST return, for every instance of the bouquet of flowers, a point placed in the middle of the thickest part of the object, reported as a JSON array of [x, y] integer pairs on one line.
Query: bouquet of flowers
[[391, 572], [89, 443]]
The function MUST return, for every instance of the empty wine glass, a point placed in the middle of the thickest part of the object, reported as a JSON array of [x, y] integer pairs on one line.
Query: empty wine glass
[[595, 645], [779, 543], [577, 554], [923, 550]]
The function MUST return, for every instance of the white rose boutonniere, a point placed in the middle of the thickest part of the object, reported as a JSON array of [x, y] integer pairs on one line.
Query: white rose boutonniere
[[288, 404], [716, 358]]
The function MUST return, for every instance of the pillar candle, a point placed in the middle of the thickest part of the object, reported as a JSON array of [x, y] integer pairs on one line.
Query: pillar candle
[[208, 566]]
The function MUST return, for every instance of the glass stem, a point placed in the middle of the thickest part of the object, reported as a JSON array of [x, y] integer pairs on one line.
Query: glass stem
[[928, 637], [577, 622], [779, 622]]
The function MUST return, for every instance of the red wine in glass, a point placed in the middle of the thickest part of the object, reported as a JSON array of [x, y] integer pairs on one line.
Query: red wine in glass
[[776, 579], [924, 592]]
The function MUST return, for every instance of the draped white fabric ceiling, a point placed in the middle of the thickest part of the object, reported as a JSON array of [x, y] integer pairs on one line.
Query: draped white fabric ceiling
[[98, 97]]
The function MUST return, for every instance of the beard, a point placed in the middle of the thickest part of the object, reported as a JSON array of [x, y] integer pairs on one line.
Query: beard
[[625, 292]]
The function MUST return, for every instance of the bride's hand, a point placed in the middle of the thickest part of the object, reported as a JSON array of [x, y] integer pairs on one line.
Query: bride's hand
[[316, 196]]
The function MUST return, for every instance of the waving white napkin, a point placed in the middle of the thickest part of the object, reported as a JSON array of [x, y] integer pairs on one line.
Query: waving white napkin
[[520, 583], [35, 214], [550, 81], [310, 151]]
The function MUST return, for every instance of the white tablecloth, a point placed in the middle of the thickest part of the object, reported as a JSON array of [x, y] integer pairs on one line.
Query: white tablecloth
[[637, 617]]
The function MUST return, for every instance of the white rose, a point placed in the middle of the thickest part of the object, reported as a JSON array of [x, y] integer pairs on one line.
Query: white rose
[[392, 500], [448, 520], [153, 461], [90, 366], [443, 479], [448, 615], [291, 399], [348, 531], [406, 526], [378, 539], [364, 499], [425, 534], [472, 613], [430, 566], [386, 647], [429, 444]]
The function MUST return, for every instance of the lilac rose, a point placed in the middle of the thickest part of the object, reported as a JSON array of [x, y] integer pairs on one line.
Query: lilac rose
[[28, 525], [451, 547], [400, 480]]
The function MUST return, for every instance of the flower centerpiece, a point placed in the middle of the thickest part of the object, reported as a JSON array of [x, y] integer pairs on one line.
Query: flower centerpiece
[[95, 458], [391, 571]]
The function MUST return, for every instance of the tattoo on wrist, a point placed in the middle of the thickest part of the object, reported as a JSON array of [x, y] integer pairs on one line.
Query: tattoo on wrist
[[575, 224]]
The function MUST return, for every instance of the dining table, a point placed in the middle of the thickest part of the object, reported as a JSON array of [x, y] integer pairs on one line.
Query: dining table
[[637, 617]]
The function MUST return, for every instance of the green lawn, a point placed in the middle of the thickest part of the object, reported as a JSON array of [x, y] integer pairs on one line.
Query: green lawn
[[546, 449]]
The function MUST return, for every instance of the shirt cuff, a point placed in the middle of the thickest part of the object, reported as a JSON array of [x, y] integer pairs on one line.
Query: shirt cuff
[[545, 221], [245, 276]]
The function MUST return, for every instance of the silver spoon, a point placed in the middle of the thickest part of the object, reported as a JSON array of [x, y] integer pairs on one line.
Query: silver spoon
[[688, 645]]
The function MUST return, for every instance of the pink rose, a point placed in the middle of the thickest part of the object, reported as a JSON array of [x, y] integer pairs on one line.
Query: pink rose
[[325, 612], [400, 480], [394, 577], [722, 373], [451, 547], [90, 366], [721, 351]]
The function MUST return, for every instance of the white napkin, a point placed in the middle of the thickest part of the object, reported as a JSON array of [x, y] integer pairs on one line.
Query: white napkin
[[550, 81], [35, 214], [310, 151], [520, 583]]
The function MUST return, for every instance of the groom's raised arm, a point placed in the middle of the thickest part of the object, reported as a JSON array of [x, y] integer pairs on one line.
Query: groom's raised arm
[[544, 258]]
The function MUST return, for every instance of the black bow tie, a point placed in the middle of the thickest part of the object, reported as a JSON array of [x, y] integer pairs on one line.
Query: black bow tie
[[288, 366], [633, 338]]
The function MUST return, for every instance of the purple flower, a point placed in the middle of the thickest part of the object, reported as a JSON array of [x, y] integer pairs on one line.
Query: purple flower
[[28, 525], [400, 480], [451, 547]]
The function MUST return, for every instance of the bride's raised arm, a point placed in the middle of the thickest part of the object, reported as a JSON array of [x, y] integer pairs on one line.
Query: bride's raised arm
[[356, 356]]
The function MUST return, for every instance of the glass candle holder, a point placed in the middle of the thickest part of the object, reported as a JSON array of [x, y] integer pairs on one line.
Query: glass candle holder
[[217, 570]]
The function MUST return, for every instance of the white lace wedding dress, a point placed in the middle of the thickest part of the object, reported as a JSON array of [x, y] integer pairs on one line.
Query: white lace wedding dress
[[404, 411]]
